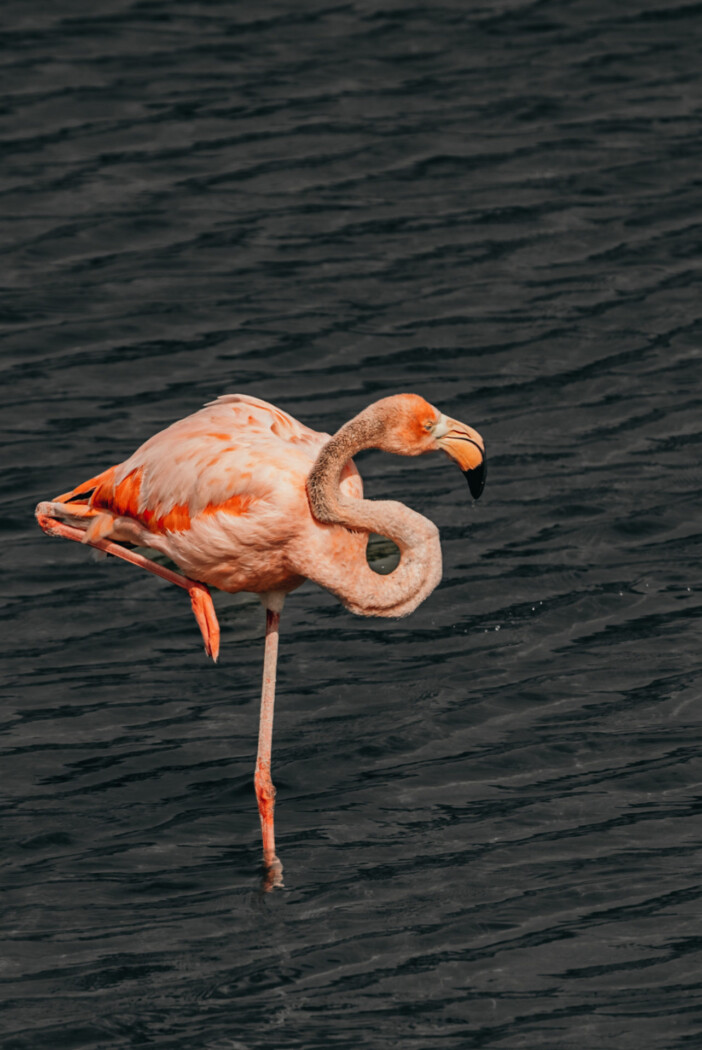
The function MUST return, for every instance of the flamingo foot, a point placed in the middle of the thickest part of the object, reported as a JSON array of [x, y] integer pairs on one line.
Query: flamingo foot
[[201, 601], [272, 875]]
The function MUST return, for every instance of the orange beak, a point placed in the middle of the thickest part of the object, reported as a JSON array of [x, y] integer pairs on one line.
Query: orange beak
[[466, 446]]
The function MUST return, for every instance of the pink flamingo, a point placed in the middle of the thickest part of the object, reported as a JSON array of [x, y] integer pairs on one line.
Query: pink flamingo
[[243, 497]]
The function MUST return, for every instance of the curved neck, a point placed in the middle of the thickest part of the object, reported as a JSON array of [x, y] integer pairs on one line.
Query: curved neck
[[359, 588]]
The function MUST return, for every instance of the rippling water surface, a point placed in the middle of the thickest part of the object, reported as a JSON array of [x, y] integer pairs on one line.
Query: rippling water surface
[[488, 813]]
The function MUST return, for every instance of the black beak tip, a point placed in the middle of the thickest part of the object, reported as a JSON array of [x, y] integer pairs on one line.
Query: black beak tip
[[476, 478]]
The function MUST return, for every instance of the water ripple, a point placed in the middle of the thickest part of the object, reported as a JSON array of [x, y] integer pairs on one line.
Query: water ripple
[[488, 813]]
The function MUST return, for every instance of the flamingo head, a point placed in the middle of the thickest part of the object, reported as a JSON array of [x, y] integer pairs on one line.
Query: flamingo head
[[413, 426]]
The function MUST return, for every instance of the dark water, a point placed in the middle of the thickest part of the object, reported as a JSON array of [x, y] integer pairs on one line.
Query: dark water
[[489, 814]]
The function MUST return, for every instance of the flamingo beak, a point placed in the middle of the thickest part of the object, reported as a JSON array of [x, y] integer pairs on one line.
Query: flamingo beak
[[466, 446]]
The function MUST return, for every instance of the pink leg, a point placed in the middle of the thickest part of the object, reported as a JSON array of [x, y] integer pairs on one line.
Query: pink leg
[[265, 792], [200, 597]]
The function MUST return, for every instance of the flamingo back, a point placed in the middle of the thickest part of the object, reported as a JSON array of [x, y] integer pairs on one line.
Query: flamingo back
[[221, 492]]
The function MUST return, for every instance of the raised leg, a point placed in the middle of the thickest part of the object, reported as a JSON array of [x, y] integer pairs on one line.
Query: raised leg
[[265, 792], [200, 597]]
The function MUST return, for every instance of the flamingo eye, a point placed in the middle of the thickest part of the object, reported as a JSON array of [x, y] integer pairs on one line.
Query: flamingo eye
[[429, 425]]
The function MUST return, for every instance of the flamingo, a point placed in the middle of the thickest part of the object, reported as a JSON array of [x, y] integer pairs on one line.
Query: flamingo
[[243, 497]]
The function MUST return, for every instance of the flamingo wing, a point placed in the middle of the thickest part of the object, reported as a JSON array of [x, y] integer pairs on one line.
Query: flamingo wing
[[222, 493], [232, 453]]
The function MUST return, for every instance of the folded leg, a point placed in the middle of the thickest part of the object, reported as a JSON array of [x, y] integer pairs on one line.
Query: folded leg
[[83, 530]]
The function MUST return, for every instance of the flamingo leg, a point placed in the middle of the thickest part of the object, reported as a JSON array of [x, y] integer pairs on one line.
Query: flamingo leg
[[200, 597], [265, 791]]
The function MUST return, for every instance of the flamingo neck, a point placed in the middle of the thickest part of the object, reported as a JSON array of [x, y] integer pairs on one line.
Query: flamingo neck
[[359, 588]]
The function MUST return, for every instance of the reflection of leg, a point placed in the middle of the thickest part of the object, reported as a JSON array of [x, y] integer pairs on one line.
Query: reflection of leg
[[265, 792], [200, 597]]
